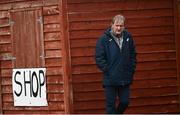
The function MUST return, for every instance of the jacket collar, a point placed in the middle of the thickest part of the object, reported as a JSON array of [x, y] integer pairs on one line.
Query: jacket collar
[[109, 36]]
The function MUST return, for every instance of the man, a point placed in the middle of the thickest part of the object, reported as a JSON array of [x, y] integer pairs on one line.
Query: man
[[116, 57]]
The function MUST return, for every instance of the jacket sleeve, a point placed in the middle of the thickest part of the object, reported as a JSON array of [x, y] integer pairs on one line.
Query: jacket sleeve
[[100, 56], [133, 54]]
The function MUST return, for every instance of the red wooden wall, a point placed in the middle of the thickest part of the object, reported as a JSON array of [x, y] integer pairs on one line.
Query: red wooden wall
[[155, 87], [52, 49], [70, 31]]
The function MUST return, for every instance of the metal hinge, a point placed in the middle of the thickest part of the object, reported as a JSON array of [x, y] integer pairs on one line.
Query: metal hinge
[[8, 57], [42, 56], [11, 22], [40, 19]]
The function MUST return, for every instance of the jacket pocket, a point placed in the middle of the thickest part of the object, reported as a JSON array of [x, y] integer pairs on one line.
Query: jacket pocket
[[128, 73]]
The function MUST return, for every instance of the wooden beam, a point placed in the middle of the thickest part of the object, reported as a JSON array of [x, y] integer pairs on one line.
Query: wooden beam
[[1, 111], [177, 41], [66, 57]]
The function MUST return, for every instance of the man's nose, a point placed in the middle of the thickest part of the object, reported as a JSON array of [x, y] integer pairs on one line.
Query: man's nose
[[118, 27]]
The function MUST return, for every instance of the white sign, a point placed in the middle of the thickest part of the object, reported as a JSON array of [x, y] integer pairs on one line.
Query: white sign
[[29, 87]]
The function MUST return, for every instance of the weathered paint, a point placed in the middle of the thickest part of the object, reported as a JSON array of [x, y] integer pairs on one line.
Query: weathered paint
[[70, 31]]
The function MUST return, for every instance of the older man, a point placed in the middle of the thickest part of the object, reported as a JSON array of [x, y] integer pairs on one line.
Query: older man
[[116, 57]]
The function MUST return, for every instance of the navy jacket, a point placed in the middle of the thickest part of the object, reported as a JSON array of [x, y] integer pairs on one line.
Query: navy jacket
[[117, 65]]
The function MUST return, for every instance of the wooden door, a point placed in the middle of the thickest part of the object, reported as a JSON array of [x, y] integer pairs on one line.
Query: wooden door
[[27, 38]]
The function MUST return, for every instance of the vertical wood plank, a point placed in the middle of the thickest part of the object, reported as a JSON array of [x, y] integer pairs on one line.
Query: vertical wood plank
[[177, 40], [0, 90], [66, 58]]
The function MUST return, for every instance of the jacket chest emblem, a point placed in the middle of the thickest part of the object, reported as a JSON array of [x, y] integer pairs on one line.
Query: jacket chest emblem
[[110, 40]]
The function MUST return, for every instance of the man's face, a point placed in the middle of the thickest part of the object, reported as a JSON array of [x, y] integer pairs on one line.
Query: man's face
[[118, 27]]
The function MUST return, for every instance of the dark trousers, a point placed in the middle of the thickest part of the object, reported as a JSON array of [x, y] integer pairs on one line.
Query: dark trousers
[[111, 94]]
